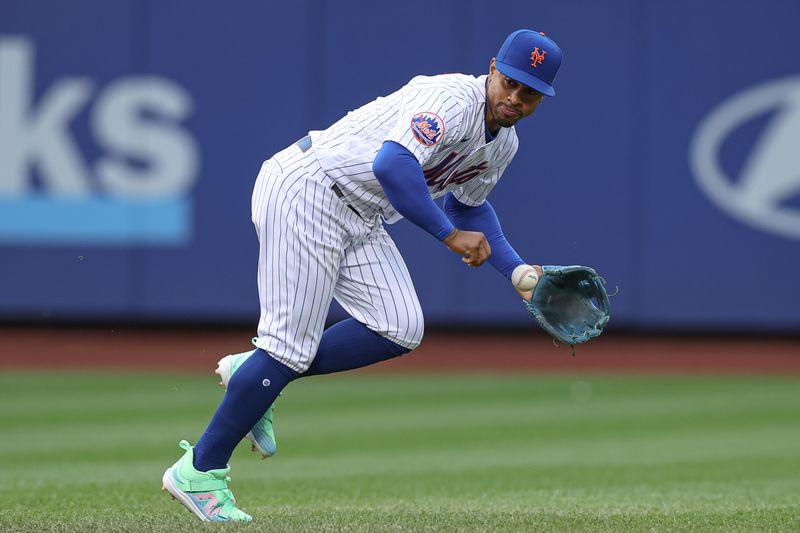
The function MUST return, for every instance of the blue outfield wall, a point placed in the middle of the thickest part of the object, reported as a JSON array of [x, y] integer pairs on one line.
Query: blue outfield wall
[[131, 133]]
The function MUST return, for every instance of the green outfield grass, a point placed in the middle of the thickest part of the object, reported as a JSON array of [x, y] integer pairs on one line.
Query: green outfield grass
[[375, 453]]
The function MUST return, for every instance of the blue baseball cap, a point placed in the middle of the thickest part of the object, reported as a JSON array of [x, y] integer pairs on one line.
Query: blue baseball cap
[[531, 58]]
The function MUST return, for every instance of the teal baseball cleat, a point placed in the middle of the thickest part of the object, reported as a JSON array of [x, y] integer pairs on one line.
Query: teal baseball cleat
[[262, 434], [205, 494]]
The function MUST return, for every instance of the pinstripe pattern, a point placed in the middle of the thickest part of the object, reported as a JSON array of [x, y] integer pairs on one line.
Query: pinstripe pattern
[[347, 149], [312, 248], [375, 288]]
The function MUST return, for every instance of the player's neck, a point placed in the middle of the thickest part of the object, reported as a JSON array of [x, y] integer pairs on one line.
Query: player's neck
[[491, 129], [488, 135]]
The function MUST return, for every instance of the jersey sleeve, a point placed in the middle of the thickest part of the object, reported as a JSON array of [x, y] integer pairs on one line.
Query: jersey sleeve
[[428, 117]]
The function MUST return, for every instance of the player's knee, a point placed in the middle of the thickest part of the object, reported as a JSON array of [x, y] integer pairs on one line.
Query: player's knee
[[410, 333], [414, 342], [404, 343]]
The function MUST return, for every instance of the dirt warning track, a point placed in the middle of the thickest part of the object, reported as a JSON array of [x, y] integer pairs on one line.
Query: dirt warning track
[[198, 351]]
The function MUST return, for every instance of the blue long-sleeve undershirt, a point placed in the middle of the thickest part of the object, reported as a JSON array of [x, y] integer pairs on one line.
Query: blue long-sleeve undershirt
[[483, 218], [403, 181], [401, 177]]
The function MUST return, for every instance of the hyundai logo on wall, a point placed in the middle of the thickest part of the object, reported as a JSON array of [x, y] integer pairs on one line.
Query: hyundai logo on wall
[[770, 176]]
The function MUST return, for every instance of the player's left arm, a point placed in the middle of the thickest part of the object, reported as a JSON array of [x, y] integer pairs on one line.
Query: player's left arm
[[483, 218]]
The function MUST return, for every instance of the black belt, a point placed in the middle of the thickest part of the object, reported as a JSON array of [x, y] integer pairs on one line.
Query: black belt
[[305, 144], [338, 192]]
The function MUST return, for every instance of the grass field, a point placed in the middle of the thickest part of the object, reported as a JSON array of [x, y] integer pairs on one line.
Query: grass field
[[363, 452]]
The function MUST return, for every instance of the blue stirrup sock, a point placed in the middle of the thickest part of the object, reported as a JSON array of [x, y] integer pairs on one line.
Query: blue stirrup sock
[[350, 344], [251, 390], [255, 385]]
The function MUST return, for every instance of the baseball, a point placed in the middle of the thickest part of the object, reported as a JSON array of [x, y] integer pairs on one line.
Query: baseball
[[524, 278]]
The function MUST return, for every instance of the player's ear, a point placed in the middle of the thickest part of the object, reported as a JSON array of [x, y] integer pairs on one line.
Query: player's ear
[[491, 65]]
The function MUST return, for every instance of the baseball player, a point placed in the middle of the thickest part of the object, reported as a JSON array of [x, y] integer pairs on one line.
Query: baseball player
[[319, 208]]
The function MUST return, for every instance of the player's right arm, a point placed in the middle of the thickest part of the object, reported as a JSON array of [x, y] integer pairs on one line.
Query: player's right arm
[[429, 117], [403, 182]]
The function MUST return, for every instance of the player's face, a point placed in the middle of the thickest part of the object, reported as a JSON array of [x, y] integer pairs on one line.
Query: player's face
[[507, 100]]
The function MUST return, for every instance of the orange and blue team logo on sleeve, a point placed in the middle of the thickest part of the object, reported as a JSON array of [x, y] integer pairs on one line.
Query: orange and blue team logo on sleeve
[[428, 128]]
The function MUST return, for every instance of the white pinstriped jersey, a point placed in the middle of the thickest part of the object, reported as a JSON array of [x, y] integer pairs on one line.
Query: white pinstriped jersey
[[315, 247], [441, 120]]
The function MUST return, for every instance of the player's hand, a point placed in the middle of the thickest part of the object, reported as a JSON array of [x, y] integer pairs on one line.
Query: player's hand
[[472, 246]]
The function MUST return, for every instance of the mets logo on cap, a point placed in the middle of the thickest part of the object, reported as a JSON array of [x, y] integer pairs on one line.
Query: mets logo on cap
[[537, 57], [428, 128]]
